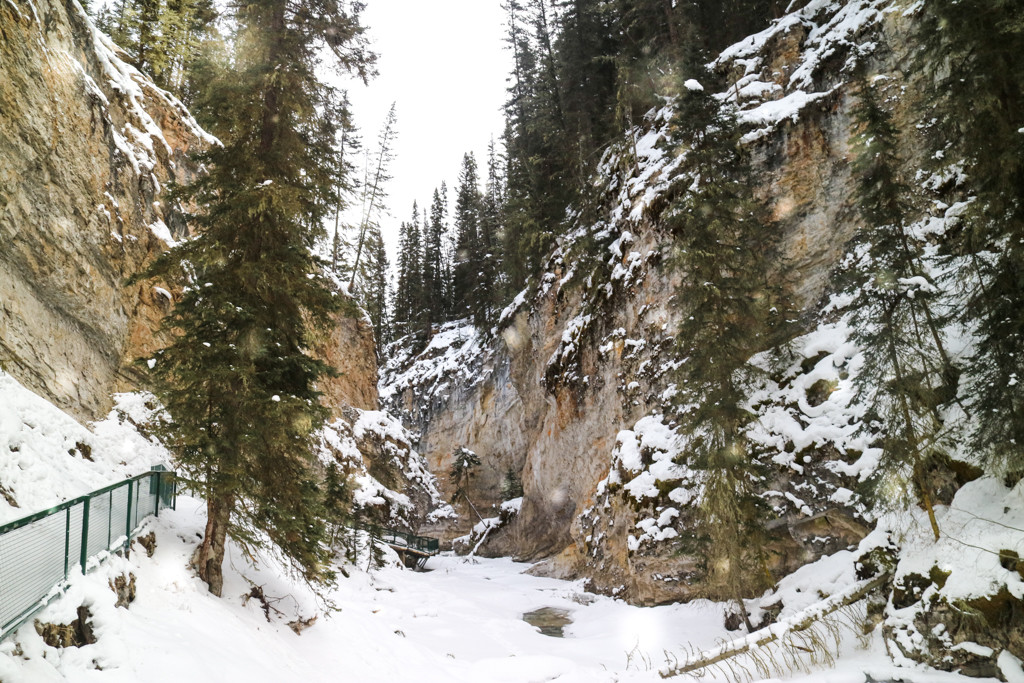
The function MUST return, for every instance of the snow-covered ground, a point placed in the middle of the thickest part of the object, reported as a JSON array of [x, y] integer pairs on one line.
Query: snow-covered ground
[[459, 621]]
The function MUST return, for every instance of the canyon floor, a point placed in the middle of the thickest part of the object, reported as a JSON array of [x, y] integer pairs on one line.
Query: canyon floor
[[460, 620]]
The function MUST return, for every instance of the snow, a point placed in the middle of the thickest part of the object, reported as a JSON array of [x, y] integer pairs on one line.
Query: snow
[[828, 28], [453, 356], [162, 232], [461, 621], [41, 449], [136, 140]]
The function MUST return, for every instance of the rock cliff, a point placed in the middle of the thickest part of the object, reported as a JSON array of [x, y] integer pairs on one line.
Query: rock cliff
[[577, 373], [86, 146]]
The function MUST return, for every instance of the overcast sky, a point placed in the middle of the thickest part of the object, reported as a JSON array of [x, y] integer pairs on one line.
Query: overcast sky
[[444, 65]]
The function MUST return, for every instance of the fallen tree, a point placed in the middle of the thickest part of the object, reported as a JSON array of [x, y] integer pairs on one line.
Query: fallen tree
[[781, 645]]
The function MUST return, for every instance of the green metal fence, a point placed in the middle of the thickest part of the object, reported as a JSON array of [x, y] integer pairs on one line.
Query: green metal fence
[[39, 552], [423, 544]]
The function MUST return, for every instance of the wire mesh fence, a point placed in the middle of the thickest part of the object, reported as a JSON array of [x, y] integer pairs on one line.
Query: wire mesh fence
[[39, 552]]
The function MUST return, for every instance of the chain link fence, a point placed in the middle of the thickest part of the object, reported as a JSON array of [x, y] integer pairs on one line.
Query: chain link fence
[[39, 552]]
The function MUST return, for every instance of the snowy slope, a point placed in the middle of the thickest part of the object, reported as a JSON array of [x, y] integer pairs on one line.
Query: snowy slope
[[461, 622], [46, 457]]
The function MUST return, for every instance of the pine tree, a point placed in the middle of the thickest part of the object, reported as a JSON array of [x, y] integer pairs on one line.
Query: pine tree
[[376, 177], [723, 244], [349, 145], [460, 474], [490, 294], [976, 51], [435, 267], [537, 149], [907, 373], [408, 307], [467, 239], [173, 41], [375, 288], [236, 380]]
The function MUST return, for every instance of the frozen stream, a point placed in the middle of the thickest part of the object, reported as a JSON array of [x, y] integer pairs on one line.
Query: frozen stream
[[460, 622]]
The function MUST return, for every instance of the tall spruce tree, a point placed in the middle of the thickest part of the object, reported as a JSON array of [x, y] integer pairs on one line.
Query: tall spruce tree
[[723, 242], [907, 374], [435, 266], [237, 381], [490, 293], [375, 288], [408, 306], [976, 52], [467, 239], [377, 173]]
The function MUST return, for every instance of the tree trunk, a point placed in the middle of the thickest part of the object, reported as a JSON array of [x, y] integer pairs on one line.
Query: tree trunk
[[209, 557], [777, 631]]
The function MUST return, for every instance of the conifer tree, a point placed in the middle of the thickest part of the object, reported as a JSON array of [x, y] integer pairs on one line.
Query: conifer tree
[[536, 148], [375, 288], [467, 239], [464, 465], [723, 244], [237, 381], [173, 41], [977, 110], [349, 145], [489, 295], [907, 373], [409, 291], [435, 267], [377, 173]]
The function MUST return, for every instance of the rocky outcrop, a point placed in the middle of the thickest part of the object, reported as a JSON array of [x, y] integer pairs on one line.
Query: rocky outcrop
[[86, 146], [585, 356], [350, 349]]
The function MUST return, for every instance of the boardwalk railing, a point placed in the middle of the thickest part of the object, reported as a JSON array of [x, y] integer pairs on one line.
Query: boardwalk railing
[[421, 544], [39, 552]]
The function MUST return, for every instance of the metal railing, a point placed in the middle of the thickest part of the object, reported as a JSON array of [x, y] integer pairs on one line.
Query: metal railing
[[39, 552], [423, 544]]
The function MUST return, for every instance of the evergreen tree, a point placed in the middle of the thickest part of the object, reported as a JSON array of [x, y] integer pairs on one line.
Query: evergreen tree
[[537, 150], [349, 144], [489, 295], [375, 288], [723, 244], [907, 373], [467, 239], [464, 465], [173, 41], [408, 307], [376, 177], [976, 50], [236, 380], [587, 47], [435, 267]]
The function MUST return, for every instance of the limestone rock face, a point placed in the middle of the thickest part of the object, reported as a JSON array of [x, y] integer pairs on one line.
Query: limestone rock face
[[351, 350], [587, 354], [86, 146]]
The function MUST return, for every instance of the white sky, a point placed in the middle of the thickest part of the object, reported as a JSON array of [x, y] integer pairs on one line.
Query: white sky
[[444, 64]]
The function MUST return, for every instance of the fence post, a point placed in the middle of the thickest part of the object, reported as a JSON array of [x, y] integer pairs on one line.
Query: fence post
[[128, 520], [85, 531], [110, 518], [156, 503], [67, 540]]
